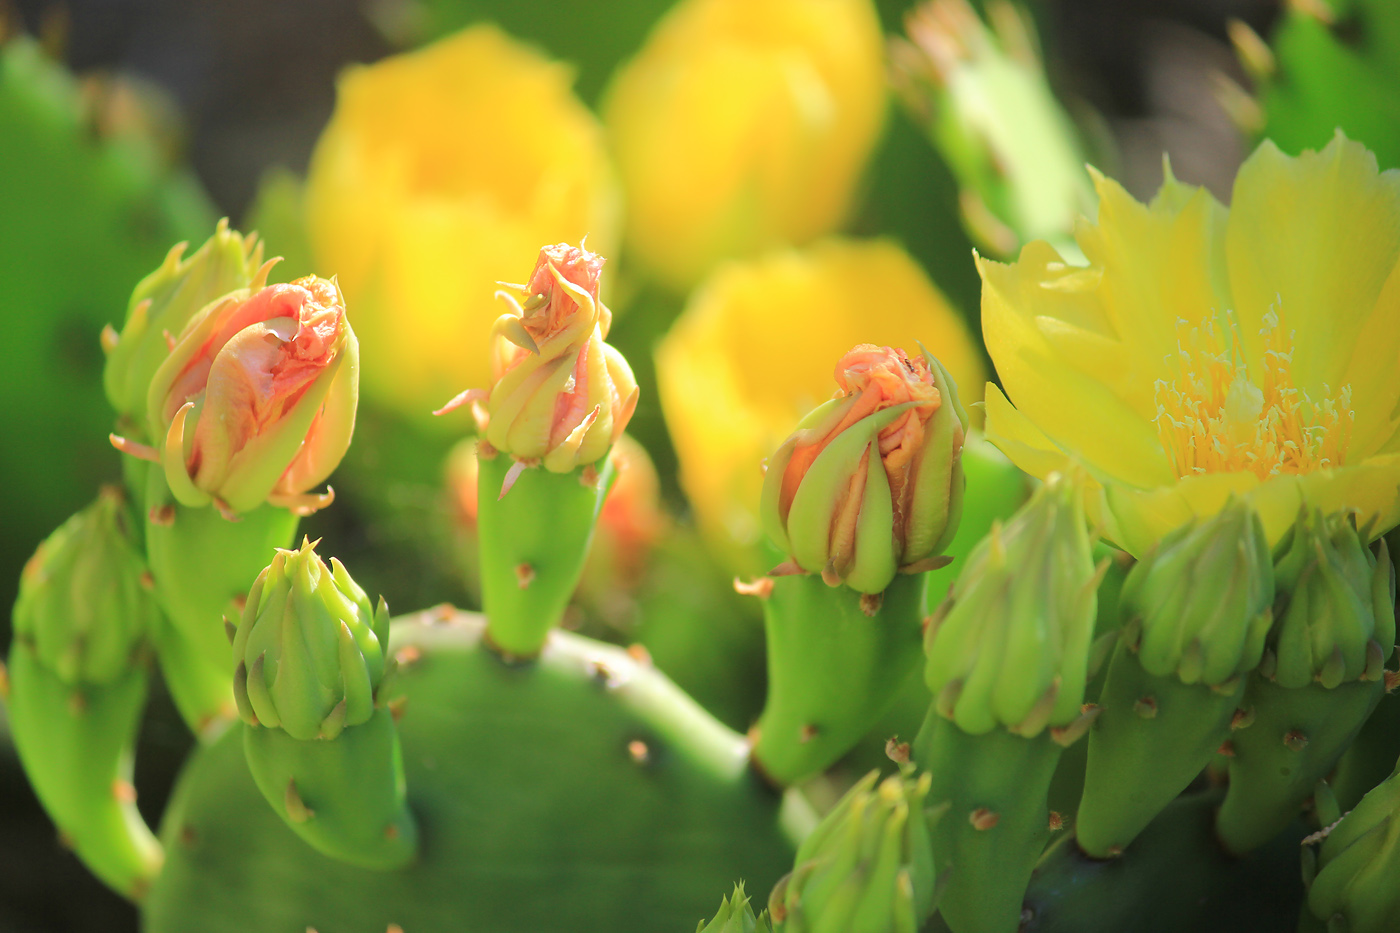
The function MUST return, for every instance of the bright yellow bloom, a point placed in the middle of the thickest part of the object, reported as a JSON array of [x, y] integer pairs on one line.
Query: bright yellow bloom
[[441, 172], [1207, 350], [751, 356], [743, 126]]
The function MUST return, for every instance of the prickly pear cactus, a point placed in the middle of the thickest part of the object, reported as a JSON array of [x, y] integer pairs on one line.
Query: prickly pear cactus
[[558, 793]]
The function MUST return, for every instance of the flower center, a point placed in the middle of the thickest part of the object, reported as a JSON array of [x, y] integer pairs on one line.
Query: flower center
[[1219, 416]]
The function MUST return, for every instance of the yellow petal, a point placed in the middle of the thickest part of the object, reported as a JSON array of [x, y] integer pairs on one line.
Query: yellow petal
[[1014, 435], [1317, 237], [1079, 413], [1143, 516]]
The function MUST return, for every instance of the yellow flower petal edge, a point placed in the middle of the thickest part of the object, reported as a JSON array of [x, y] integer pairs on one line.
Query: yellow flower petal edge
[[441, 172], [1206, 351], [753, 353]]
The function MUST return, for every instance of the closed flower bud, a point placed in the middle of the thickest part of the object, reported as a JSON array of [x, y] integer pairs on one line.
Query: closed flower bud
[[256, 402], [870, 483], [441, 171], [85, 602], [867, 866], [163, 303], [743, 126], [1204, 598], [1357, 865], [736, 916], [562, 396], [310, 648], [1337, 621], [1010, 645]]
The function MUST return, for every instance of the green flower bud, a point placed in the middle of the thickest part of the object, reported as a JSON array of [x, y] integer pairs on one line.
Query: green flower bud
[[1337, 622], [1203, 599], [310, 649], [871, 484], [163, 303], [85, 603], [736, 916], [1010, 644], [1358, 862], [868, 865]]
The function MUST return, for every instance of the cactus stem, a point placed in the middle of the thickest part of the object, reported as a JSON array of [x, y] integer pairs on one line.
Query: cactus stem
[[123, 791], [297, 810], [639, 751], [524, 575], [1295, 739], [1146, 707], [870, 603], [161, 515], [983, 819], [762, 587], [808, 733]]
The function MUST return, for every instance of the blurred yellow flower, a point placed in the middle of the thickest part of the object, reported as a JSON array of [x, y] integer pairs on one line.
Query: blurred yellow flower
[[742, 126], [1206, 351], [440, 173], [754, 353]]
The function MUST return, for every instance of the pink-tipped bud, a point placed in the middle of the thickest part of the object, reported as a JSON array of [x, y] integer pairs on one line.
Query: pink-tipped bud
[[562, 396], [256, 402]]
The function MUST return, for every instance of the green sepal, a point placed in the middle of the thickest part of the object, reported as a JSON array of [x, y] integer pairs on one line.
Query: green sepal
[[1139, 763], [935, 510], [1296, 738], [736, 916], [820, 420], [994, 777], [833, 670], [202, 563], [199, 688], [533, 544], [345, 796], [75, 744], [1357, 864]]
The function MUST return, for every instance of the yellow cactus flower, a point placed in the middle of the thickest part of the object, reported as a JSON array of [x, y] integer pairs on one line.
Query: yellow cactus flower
[[751, 355], [441, 172], [1207, 350], [744, 126]]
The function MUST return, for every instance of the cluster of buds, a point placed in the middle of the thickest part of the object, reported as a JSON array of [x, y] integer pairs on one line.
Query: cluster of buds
[[870, 484], [562, 397]]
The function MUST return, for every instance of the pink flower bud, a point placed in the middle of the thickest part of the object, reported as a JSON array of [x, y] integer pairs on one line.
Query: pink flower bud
[[256, 401], [562, 396]]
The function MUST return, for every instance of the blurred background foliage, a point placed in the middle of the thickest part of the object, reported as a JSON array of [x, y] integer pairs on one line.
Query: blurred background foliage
[[128, 125]]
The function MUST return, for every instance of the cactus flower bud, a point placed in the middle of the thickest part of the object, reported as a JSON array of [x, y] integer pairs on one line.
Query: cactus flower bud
[[256, 401], [310, 653], [736, 916], [870, 483], [310, 648], [77, 686], [1320, 678], [562, 396], [1010, 645], [1197, 609], [867, 866], [85, 603], [163, 303], [1358, 862], [1339, 621]]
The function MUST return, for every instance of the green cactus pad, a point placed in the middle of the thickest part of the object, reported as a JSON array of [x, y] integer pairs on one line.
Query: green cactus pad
[[202, 564], [533, 543], [996, 785], [833, 670], [1173, 878], [75, 742], [1151, 739], [569, 793], [1296, 738]]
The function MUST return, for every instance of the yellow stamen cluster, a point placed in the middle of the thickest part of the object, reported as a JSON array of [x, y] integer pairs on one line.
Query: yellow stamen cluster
[[1215, 418]]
